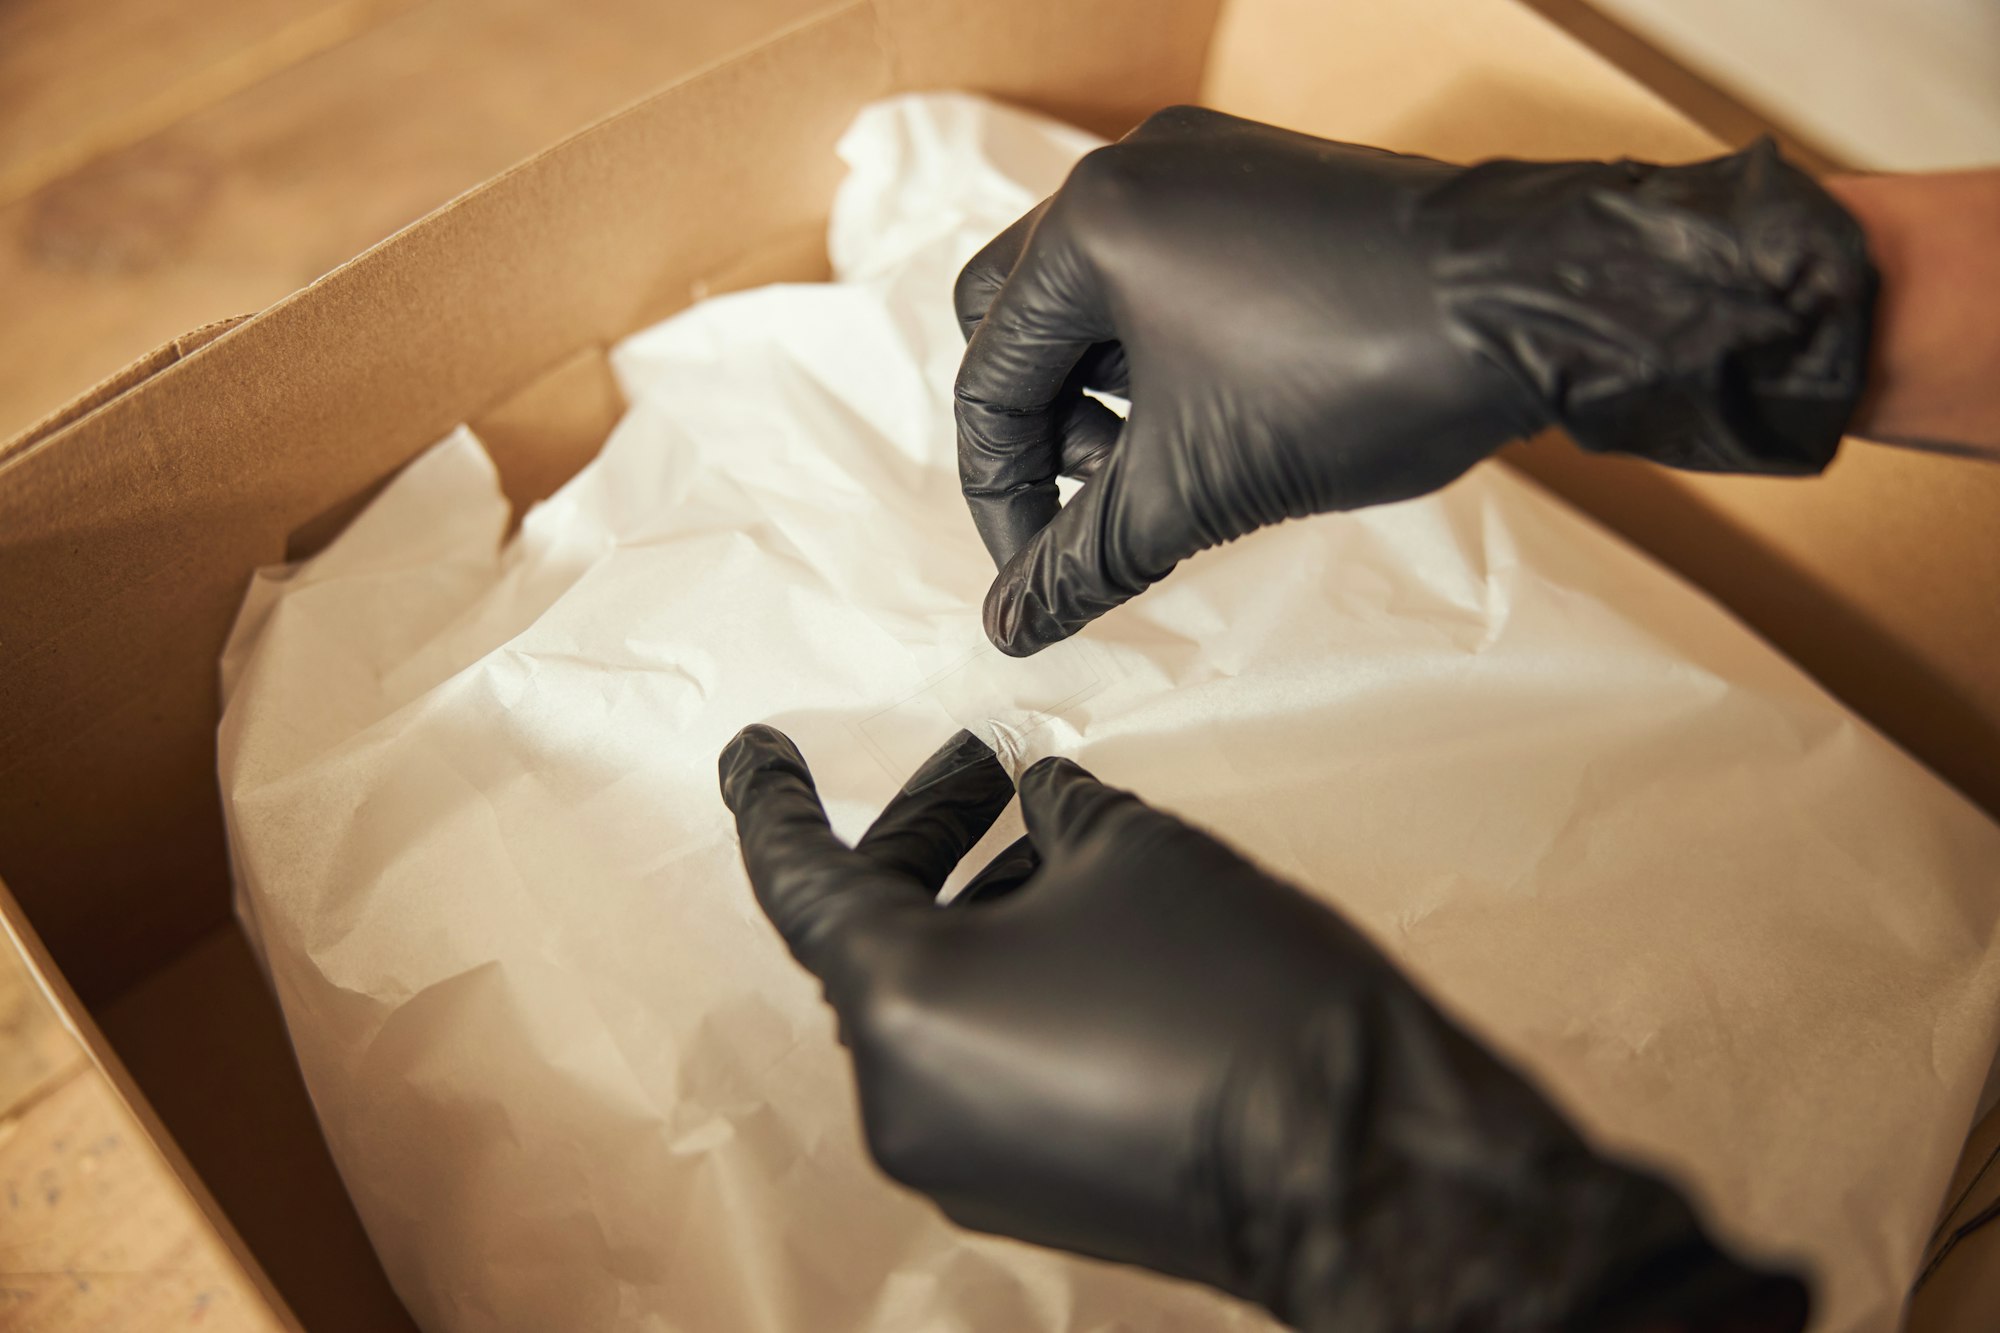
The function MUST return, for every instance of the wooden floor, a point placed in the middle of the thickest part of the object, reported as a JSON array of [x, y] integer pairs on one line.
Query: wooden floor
[[96, 1231], [164, 164]]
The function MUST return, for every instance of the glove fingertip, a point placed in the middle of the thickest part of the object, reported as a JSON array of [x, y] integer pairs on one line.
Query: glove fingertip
[[1014, 618], [964, 753], [1064, 803], [1052, 771], [1053, 793], [755, 749]]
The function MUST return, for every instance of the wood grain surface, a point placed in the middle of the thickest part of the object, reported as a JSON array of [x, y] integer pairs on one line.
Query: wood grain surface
[[163, 166]]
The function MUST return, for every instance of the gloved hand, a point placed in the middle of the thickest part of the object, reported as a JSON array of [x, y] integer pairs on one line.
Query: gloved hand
[[1306, 326], [1125, 1040]]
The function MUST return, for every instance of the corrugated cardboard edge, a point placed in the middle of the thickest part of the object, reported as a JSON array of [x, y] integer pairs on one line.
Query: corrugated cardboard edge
[[190, 478], [117, 384], [48, 979], [161, 501], [170, 354], [165, 358], [1720, 112]]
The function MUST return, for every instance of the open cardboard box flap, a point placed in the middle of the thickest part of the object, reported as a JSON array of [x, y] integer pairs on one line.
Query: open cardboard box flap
[[130, 521]]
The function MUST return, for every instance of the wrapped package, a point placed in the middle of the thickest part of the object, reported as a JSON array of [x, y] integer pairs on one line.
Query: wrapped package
[[573, 1079]]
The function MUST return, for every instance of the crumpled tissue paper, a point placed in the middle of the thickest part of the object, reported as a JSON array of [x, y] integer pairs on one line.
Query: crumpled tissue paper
[[574, 1081]]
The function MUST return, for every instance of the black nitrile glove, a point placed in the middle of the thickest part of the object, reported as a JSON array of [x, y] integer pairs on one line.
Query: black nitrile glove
[[1305, 326], [1125, 1040]]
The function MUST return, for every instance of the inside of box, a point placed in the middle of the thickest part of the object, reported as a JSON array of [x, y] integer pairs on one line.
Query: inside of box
[[130, 580], [129, 534], [199, 1032]]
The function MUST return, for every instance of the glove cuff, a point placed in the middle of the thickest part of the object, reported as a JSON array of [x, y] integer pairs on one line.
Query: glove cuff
[[1397, 1178], [1713, 316]]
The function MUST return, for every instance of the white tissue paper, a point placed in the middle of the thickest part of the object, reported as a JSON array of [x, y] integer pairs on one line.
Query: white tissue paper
[[572, 1077]]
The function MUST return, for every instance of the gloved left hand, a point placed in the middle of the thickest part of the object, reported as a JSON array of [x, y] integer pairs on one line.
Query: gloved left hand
[[1123, 1039]]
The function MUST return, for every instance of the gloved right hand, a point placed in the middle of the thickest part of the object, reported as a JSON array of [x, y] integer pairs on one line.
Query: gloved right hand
[[1305, 326], [1123, 1038]]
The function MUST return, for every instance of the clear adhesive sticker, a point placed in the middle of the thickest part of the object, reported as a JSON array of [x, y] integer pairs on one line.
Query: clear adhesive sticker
[[1000, 699]]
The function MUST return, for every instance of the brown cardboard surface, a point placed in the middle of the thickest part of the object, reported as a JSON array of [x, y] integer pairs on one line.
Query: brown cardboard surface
[[1875, 578], [1102, 65], [116, 383], [139, 523], [202, 1037], [37, 1049], [1959, 1289], [1723, 114], [1456, 79], [541, 435], [153, 509], [126, 534]]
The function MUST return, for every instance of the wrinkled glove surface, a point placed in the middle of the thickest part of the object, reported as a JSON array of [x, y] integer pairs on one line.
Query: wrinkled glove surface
[[1304, 326], [1125, 1040]]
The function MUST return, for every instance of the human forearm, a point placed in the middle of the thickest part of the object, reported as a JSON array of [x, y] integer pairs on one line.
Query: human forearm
[[1934, 374]]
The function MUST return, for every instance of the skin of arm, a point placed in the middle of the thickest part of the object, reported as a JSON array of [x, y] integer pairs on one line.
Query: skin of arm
[[1934, 378]]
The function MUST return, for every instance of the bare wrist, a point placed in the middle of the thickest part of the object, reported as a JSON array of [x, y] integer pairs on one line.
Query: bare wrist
[[1936, 337]]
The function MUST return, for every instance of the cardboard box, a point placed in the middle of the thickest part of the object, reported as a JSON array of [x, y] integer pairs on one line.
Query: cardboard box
[[130, 521]]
